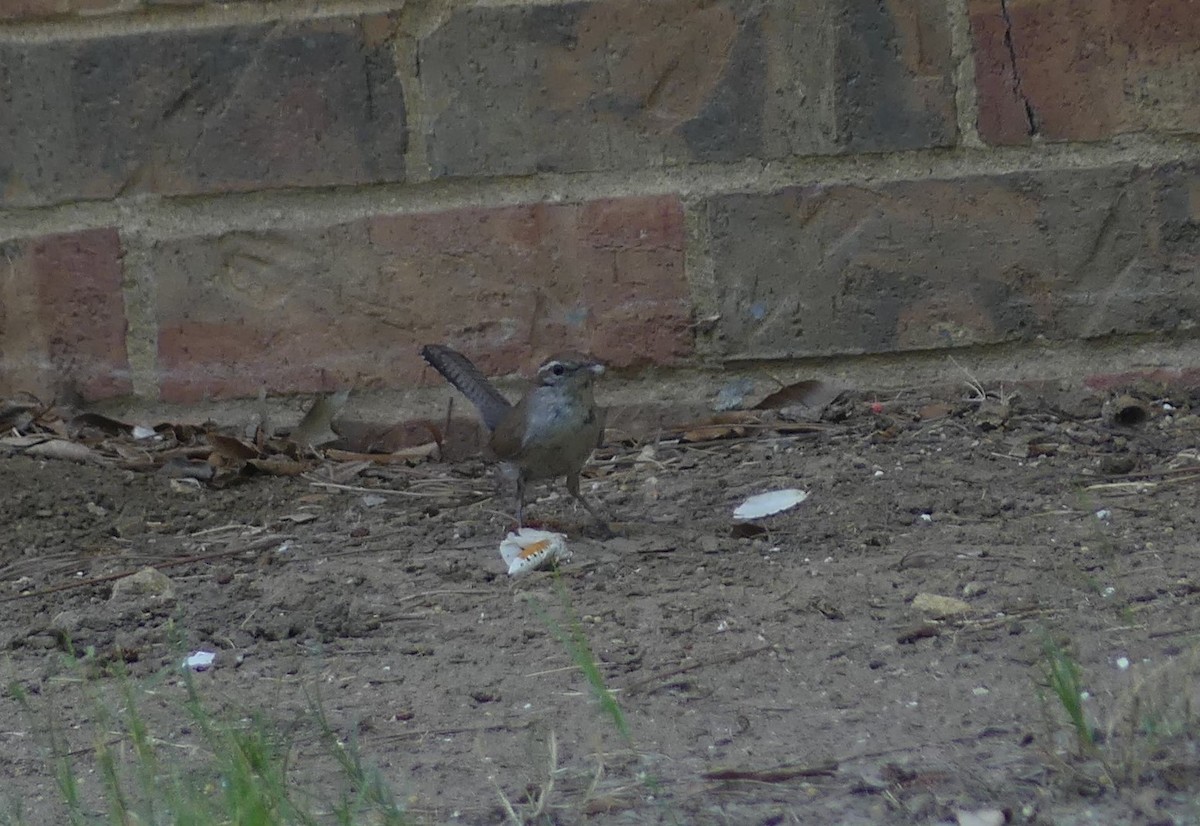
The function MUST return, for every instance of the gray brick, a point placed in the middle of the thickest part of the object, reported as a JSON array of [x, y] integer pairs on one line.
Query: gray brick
[[917, 265], [301, 104], [624, 84]]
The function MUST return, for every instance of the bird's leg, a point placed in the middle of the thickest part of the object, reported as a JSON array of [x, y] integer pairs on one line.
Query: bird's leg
[[520, 502], [573, 489]]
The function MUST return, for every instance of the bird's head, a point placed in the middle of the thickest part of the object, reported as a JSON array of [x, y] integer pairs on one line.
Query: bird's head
[[569, 369]]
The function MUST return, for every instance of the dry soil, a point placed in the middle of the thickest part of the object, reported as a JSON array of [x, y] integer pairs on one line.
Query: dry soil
[[793, 674]]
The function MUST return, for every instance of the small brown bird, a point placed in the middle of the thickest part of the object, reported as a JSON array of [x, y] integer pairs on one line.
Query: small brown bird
[[550, 432]]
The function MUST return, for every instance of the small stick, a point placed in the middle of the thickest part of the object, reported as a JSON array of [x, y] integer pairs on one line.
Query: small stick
[[736, 656], [449, 732], [780, 774], [381, 491], [426, 594], [1146, 474]]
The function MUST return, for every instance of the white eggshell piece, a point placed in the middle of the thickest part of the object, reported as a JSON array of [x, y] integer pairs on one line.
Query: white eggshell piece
[[529, 549], [765, 504]]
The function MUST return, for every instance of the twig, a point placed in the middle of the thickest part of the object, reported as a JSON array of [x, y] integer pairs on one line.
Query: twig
[[232, 526], [446, 426], [403, 617], [543, 797], [1135, 487], [734, 657], [972, 382], [1146, 474], [449, 732], [1145, 484], [552, 671], [779, 774], [1172, 632], [381, 491], [426, 594]]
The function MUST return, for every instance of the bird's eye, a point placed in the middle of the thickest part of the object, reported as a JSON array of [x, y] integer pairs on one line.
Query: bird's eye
[[558, 369]]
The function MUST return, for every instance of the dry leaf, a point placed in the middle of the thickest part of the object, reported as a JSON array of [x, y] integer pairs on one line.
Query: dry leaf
[[935, 410], [185, 434], [343, 471], [938, 606], [16, 416], [603, 804], [813, 394], [919, 631], [783, 428], [410, 455], [372, 437], [180, 467], [991, 414], [21, 442], [886, 434], [1035, 450], [189, 452], [62, 449], [230, 449], [279, 466], [51, 424], [187, 486], [720, 426], [79, 426], [315, 429], [131, 453]]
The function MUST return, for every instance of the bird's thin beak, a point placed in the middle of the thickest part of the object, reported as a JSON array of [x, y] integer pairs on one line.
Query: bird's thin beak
[[597, 368]]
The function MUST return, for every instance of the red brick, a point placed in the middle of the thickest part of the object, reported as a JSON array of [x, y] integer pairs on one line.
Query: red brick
[[292, 104], [62, 317], [624, 84], [1086, 70], [1165, 378], [352, 304], [918, 265]]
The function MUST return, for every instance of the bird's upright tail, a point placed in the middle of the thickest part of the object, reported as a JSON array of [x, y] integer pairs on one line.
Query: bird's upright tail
[[460, 372]]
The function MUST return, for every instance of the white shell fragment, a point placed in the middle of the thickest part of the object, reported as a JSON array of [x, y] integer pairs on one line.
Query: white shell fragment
[[765, 504], [200, 660], [529, 549]]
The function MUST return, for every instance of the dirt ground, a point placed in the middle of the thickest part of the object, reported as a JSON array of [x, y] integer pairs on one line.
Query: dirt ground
[[785, 676]]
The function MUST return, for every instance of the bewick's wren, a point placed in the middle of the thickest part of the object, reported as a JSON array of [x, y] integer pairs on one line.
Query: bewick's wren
[[550, 432]]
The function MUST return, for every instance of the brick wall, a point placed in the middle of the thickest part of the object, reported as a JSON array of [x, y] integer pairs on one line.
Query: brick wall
[[200, 199]]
